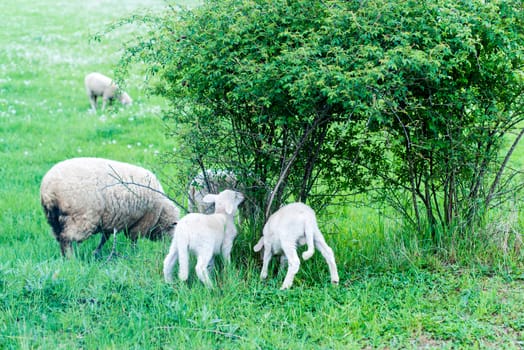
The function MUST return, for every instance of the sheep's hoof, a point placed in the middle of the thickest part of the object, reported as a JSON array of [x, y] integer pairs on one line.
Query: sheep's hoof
[[285, 286], [306, 255]]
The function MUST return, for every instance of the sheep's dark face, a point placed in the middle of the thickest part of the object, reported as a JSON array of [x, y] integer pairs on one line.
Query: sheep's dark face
[[160, 231]]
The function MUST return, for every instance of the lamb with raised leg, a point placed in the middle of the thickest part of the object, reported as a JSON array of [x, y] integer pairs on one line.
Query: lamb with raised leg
[[294, 225]]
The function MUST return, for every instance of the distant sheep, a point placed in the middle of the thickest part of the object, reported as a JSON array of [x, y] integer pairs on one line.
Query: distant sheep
[[98, 85], [204, 235], [292, 225], [84, 196], [210, 181]]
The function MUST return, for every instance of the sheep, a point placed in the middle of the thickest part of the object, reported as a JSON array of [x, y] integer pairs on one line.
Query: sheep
[[204, 235], [210, 181], [294, 224], [97, 85], [84, 196]]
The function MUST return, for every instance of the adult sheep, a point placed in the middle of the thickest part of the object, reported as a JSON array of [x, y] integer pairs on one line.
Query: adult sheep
[[84, 196], [98, 85], [208, 182]]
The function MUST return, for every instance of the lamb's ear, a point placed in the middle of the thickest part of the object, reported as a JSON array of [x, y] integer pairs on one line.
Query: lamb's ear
[[209, 198]]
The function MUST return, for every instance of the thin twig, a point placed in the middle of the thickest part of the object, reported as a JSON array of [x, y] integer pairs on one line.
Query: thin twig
[[128, 183], [502, 167]]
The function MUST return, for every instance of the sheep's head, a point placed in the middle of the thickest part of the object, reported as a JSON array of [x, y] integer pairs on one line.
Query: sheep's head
[[226, 201], [125, 99]]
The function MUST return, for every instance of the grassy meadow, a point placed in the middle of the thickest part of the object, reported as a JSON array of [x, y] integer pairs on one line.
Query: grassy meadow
[[393, 294]]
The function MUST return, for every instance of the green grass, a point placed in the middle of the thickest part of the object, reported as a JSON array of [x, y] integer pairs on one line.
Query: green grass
[[394, 292]]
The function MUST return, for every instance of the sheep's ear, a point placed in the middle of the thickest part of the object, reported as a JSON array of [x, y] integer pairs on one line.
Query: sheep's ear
[[209, 198]]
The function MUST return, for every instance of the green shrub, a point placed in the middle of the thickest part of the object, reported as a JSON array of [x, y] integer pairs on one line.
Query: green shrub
[[310, 100]]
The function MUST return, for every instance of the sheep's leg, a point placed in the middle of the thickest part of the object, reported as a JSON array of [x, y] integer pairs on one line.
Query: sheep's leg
[[183, 262], [69, 234], [259, 245], [113, 250], [283, 261], [169, 262], [327, 253], [66, 248], [201, 267], [293, 264], [103, 241], [134, 242], [92, 101], [211, 264], [227, 246], [265, 262]]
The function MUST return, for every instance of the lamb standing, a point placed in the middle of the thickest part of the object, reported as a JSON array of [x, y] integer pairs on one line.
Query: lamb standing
[[292, 225], [205, 236], [98, 85], [84, 196]]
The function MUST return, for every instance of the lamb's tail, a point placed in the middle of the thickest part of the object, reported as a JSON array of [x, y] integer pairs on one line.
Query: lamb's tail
[[310, 231], [259, 245]]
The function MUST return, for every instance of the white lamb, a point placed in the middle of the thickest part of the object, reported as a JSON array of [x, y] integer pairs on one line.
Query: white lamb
[[98, 85], [205, 236], [292, 225], [210, 181], [84, 196]]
